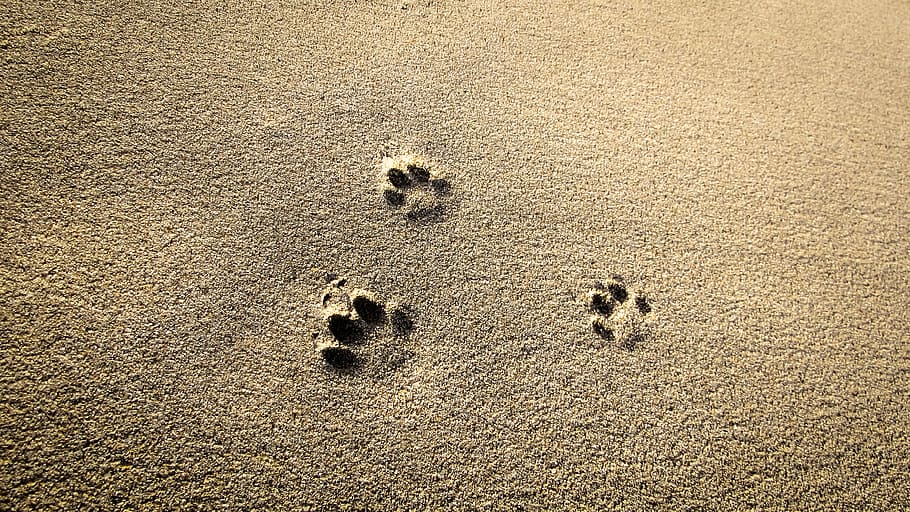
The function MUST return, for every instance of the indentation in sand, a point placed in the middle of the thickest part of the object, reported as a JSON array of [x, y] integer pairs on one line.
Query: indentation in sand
[[617, 315], [361, 329], [419, 189]]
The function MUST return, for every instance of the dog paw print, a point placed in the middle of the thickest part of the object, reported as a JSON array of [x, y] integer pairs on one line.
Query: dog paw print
[[357, 318], [618, 315], [412, 185]]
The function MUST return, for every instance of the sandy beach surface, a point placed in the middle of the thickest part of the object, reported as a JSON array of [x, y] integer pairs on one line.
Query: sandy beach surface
[[641, 255]]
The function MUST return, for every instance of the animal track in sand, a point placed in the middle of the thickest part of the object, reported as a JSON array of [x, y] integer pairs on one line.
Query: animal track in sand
[[616, 314], [358, 318], [411, 184]]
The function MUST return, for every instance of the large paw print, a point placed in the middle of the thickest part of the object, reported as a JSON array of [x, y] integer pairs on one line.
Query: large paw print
[[411, 184], [616, 314], [355, 318]]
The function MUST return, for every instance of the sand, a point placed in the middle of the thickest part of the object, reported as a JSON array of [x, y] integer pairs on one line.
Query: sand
[[179, 183]]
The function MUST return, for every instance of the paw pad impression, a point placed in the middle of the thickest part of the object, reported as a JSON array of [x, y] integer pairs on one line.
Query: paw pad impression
[[410, 183], [616, 313], [350, 319]]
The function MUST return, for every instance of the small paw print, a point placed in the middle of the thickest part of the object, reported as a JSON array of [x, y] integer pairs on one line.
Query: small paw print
[[412, 185], [616, 314], [356, 317]]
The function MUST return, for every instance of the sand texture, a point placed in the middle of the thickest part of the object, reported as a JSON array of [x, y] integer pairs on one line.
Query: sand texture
[[460, 255]]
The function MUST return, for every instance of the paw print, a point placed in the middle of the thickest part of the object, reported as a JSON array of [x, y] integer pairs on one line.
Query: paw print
[[412, 185], [616, 314], [354, 318]]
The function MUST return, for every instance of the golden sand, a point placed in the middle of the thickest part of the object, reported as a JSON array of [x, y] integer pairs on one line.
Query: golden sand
[[179, 184]]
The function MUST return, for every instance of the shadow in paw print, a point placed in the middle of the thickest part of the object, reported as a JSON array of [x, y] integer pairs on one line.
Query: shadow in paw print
[[416, 188], [363, 332], [619, 315], [368, 307], [393, 196], [618, 291], [397, 177], [401, 321], [340, 358], [601, 303], [420, 173], [441, 186], [642, 304], [350, 317], [344, 328], [602, 329]]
